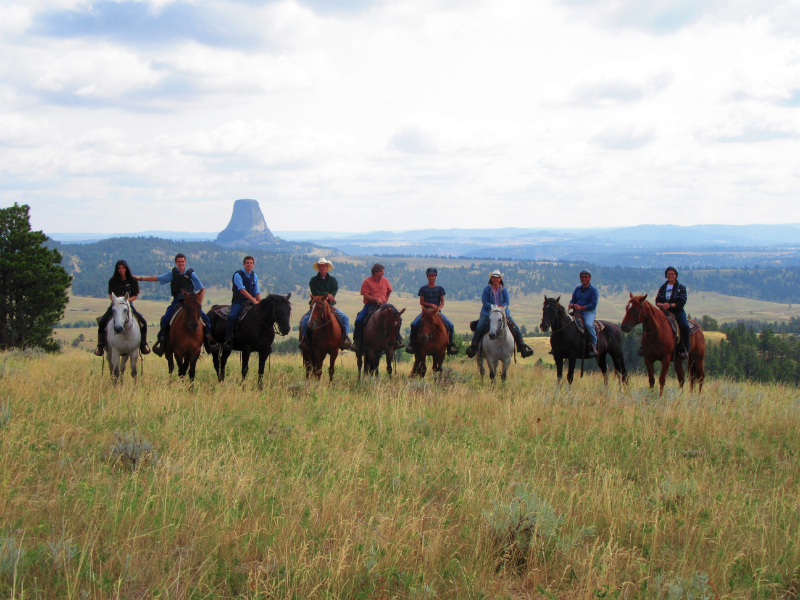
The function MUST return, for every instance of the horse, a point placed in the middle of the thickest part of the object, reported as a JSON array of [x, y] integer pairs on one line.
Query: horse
[[498, 347], [432, 340], [659, 341], [326, 336], [255, 333], [185, 340], [567, 341], [379, 337], [122, 337]]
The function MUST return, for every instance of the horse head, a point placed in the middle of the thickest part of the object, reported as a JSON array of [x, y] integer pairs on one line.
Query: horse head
[[550, 311], [192, 305], [282, 312], [121, 312], [634, 312], [320, 309], [390, 317], [497, 321], [430, 320]]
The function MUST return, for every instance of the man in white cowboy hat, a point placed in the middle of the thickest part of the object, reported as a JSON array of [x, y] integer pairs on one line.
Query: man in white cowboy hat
[[323, 284], [496, 294]]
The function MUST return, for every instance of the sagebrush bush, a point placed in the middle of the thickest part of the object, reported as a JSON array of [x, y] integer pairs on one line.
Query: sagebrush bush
[[132, 449]]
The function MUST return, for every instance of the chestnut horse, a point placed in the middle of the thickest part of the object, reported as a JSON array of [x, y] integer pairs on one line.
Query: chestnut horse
[[186, 335], [326, 335], [432, 339], [379, 337], [658, 343]]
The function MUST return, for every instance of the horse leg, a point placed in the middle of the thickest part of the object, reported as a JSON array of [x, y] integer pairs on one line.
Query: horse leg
[[307, 362], [192, 364], [245, 364], [216, 358], [123, 361], [662, 379], [559, 369], [170, 360], [480, 365], [601, 362], [492, 363], [262, 360], [389, 357], [619, 367], [224, 355], [505, 369], [359, 362], [438, 361], [332, 363], [134, 365], [680, 372], [651, 371], [316, 359], [571, 369]]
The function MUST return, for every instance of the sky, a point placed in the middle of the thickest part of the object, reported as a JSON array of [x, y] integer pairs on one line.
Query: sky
[[359, 115]]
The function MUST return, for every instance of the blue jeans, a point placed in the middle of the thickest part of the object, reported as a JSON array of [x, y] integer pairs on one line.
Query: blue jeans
[[168, 315], [343, 317], [233, 315], [588, 319], [683, 325], [415, 325], [483, 327]]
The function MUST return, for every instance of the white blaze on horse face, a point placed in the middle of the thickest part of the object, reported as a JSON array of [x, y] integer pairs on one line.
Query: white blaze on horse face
[[629, 305]]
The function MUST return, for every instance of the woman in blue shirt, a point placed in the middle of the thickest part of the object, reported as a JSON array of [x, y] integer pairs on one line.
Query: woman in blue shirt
[[496, 294]]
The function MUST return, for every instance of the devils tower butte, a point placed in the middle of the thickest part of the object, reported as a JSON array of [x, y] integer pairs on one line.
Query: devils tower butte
[[247, 227]]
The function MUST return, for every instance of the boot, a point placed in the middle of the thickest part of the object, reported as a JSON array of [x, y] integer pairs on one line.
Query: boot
[[683, 353], [227, 345], [452, 349], [524, 350], [346, 343], [398, 343], [640, 351], [144, 348], [158, 347], [305, 343], [101, 342], [472, 350], [210, 344], [591, 350]]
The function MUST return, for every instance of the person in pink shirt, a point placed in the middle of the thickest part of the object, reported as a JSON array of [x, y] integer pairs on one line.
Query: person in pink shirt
[[376, 290]]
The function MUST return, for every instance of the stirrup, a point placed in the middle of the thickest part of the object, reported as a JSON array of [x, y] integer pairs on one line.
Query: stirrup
[[410, 349], [99, 351], [346, 343], [452, 349], [640, 351], [211, 344], [158, 348], [526, 351], [144, 349], [472, 350]]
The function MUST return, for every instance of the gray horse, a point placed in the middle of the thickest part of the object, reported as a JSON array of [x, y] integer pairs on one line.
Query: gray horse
[[497, 344], [123, 337]]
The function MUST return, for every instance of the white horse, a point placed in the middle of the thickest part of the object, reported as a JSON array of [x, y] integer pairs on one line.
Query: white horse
[[497, 345], [122, 337]]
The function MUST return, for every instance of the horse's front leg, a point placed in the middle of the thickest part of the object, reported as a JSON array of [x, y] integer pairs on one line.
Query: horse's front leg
[[359, 362], [506, 363], [601, 362], [662, 379], [389, 357], [262, 360], [123, 362], [217, 360], [678, 364], [316, 361], [438, 361], [492, 364], [192, 364], [245, 364], [134, 365], [571, 369], [170, 360], [332, 363], [651, 370], [559, 369], [480, 366]]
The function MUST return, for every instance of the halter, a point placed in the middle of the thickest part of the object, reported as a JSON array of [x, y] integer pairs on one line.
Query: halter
[[323, 302], [425, 338], [503, 320], [275, 328], [557, 305], [641, 318], [128, 317]]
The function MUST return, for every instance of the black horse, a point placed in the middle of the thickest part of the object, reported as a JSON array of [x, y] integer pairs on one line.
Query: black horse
[[254, 333], [567, 341]]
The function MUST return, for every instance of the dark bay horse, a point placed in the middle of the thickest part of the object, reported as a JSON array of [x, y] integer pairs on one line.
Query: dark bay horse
[[658, 343], [567, 341], [432, 340], [379, 337], [326, 335], [254, 333], [185, 340]]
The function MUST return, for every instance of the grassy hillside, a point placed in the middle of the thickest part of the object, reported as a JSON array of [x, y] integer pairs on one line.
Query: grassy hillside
[[392, 489]]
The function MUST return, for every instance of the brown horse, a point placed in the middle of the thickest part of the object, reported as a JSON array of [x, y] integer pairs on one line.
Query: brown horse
[[432, 339], [186, 335], [658, 343], [379, 337], [326, 335]]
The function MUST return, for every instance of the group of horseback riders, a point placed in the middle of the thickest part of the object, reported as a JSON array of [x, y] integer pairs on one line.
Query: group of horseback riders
[[376, 291]]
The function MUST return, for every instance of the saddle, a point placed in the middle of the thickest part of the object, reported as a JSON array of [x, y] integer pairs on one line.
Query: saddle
[[673, 322], [578, 318], [223, 310]]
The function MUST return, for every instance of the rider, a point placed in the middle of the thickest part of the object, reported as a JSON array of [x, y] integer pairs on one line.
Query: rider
[[120, 284], [179, 278], [584, 301], [672, 297], [376, 290], [496, 294], [431, 296], [245, 289], [323, 284]]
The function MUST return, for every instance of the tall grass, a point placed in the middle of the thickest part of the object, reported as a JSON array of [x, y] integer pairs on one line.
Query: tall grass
[[390, 488]]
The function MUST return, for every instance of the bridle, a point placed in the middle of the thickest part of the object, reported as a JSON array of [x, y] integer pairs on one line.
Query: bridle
[[274, 326], [323, 303], [640, 318], [556, 305], [425, 338], [503, 322]]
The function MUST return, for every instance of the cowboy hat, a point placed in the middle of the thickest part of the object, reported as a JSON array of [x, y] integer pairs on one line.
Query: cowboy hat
[[496, 273], [323, 261]]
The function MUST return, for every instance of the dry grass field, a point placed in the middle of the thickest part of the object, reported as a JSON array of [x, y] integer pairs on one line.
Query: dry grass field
[[391, 488]]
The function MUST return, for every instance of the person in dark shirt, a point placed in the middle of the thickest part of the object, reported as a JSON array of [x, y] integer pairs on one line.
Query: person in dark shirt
[[431, 296], [324, 284], [584, 301], [672, 297], [120, 284]]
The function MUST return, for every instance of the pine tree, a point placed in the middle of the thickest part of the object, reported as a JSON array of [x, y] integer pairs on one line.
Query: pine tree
[[33, 284]]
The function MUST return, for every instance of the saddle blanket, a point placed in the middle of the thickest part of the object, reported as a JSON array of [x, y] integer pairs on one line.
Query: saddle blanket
[[693, 326], [598, 325], [223, 310]]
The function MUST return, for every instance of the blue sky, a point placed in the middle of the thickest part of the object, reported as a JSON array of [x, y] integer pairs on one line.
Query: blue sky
[[365, 115]]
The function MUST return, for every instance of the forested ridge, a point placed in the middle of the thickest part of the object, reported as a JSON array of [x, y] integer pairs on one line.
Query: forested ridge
[[91, 265]]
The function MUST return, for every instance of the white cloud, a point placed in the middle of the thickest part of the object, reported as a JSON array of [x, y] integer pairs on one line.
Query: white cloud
[[624, 136]]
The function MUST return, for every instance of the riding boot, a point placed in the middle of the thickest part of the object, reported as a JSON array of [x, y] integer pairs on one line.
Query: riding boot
[[684, 353], [101, 342], [398, 343], [143, 347], [158, 347], [210, 344], [524, 350], [412, 340], [472, 350], [591, 350], [305, 343], [357, 337], [227, 345], [452, 349]]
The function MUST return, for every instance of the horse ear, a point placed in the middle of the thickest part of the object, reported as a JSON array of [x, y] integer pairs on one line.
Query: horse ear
[[201, 294], [631, 293], [559, 298], [114, 297], [127, 295], [402, 311], [289, 295], [644, 297]]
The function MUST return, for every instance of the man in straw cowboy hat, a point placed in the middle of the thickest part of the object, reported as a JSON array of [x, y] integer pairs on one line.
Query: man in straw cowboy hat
[[496, 294], [323, 284]]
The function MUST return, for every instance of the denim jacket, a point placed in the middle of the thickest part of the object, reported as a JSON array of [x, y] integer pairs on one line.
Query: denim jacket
[[488, 299]]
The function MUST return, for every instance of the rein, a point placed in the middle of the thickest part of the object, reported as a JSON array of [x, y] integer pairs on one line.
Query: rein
[[641, 316], [274, 325], [570, 320], [329, 315]]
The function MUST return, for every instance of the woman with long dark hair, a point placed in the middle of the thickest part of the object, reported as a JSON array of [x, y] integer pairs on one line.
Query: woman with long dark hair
[[121, 283]]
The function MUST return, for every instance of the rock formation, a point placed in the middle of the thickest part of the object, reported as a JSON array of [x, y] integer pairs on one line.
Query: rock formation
[[247, 227]]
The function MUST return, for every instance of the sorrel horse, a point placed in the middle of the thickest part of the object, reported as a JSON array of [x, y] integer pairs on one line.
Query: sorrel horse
[[254, 333], [432, 340], [185, 340], [568, 342], [122, 337], [379, 337], [658, 343], [326, 335]]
